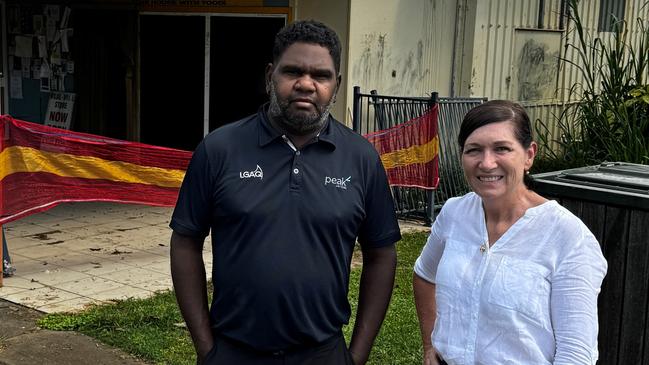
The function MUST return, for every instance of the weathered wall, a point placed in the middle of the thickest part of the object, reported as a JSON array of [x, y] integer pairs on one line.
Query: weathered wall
[[401, 47], [334, 13], [517, 47], [515, 57], [511, 56]]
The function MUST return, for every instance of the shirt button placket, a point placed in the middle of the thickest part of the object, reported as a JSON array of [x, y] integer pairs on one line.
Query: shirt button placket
[[296, 176], [475, 308]]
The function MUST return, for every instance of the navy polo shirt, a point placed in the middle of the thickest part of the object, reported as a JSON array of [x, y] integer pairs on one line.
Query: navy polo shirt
[[284, 224]]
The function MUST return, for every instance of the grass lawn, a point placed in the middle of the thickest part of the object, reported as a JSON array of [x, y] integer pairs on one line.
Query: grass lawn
[[152, 328]]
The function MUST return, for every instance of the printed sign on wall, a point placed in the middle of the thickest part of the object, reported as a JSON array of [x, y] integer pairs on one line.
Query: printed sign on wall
[[59, 110]]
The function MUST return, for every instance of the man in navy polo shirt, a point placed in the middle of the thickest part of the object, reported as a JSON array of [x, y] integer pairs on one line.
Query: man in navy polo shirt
[[286, 193]]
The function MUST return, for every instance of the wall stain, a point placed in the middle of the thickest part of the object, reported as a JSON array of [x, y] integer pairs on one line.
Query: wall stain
[[376, 57], [537, 71]]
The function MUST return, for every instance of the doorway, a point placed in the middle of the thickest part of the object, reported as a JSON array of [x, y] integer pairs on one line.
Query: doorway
[[103, 50], [238, 65], [176, 85], [172, 68]]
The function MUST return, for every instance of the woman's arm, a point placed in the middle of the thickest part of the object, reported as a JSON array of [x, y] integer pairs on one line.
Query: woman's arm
[[575, 287], [426, 311]]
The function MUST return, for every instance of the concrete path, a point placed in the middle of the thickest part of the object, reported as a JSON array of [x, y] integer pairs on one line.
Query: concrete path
[[81, 253]]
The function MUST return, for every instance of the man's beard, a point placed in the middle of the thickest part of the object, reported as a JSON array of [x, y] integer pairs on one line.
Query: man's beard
[[298, 124]]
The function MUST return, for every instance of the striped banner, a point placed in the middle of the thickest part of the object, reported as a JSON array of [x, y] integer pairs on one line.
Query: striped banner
[[42, 166], [410, 151]]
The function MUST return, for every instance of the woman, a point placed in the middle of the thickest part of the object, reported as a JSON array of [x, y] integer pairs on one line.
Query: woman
[[506, 276]]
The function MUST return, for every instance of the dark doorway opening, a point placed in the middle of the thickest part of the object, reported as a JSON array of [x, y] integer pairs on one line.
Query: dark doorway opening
[[103, 45], [240, 49], [172, 54]]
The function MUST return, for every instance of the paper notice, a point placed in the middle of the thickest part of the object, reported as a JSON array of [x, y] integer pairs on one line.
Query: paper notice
[[36, 69], [45, 70], [66, 16], [52, 12], [38, 24], [26, 67], [23, 46], [42, 46], [64, 40], [50, 29], [16, 85]]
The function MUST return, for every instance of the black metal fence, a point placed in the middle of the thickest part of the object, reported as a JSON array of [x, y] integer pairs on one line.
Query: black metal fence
[[373, 112]]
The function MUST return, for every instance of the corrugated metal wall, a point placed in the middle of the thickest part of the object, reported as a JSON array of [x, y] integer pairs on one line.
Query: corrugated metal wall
[[496, 57], [496, 24]]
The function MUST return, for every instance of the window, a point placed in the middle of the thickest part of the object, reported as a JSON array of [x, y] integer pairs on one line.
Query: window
[[610, 12]]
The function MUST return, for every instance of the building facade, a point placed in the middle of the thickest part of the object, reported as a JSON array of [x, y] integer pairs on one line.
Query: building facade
[[166, 72]]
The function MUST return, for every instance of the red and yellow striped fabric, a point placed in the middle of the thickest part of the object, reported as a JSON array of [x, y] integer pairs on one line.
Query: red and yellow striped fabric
[[42, 166], [410, 151]]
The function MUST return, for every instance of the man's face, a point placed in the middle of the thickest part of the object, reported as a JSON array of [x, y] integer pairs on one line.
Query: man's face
[[302, 88]]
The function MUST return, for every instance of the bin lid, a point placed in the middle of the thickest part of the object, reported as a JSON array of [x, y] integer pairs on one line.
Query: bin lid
[[617, 183]]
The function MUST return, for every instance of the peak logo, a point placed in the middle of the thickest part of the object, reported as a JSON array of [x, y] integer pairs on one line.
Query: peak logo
[[339, 182], [258, 173]]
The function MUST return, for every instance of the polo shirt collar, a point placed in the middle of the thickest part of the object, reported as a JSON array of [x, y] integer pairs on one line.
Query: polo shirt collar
[[268, 134]]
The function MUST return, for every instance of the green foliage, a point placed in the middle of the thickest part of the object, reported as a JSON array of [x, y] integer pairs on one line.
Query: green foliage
[[150, 328], [399, 342], [610, 121]]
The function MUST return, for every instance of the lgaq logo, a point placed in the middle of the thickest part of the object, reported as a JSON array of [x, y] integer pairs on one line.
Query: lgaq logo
[[258, 173]]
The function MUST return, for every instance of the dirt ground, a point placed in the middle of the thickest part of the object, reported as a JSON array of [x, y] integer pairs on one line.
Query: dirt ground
[[22, 342]]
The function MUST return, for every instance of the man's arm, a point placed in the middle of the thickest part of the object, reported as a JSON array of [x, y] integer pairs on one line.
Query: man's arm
[[188, 275], [427, 312], [377, 281]]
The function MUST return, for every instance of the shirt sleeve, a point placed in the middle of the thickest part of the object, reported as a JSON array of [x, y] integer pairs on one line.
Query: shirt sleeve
[[380, 226], [428, 260], [191, 216], [575, 287]]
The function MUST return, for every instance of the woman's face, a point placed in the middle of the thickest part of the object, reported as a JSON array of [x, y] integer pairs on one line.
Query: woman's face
[[494, 161]]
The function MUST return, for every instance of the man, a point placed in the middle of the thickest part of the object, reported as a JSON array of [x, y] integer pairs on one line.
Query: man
[[286, 192]]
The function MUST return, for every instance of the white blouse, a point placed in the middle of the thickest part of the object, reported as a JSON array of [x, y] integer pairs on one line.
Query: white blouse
[[530, 298]]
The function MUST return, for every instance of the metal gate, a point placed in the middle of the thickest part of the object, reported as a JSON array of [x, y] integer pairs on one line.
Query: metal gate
[[373, 112]]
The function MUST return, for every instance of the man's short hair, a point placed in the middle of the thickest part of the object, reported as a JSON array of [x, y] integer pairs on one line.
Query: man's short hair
[[308, 31]]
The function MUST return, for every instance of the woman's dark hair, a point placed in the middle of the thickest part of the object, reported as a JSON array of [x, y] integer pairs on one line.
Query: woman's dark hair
[[496, 111], [308, 31]]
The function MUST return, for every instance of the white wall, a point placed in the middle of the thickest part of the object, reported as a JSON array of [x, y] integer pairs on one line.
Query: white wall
[[334, 13], [401, 47]]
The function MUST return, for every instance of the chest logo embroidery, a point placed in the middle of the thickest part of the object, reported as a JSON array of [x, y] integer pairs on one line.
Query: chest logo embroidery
[[339, 182], [256, 173]]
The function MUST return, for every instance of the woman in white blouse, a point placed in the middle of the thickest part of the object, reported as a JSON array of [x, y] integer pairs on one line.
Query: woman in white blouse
[[506, 276]]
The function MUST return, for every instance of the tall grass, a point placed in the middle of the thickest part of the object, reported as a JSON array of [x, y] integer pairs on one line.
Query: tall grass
[[610, 121]]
